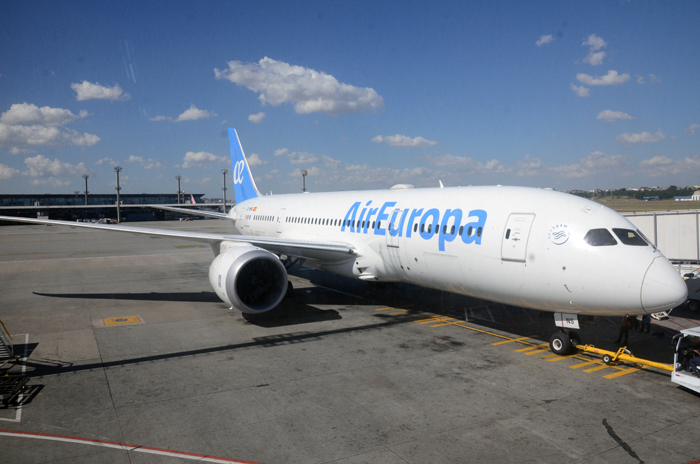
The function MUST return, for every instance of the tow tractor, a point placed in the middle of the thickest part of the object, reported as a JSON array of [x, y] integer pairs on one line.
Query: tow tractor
[[683, 345]]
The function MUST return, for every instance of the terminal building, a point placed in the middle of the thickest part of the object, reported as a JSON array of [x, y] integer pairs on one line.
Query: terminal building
[[67, 207]]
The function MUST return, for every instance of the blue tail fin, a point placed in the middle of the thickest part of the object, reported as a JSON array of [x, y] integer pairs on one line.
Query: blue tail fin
[[243, 184]]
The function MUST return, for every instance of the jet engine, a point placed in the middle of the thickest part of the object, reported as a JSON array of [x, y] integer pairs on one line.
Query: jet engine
[[248, 278]]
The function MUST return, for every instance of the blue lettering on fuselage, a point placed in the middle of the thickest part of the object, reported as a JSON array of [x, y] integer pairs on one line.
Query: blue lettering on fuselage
[[431, 223]]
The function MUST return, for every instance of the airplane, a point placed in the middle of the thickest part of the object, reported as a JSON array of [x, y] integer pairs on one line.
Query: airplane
[[528, 247], [192, 200]]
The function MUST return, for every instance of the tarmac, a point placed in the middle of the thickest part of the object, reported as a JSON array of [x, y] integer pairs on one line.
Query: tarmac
[[133, 359]]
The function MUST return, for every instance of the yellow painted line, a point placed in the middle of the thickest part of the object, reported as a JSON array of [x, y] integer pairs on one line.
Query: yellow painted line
[[382, 309], [598, 368], [482, 331], [122, 320], [430, 320], [536, 351], [510, 341], [560, 358], [553, 355], [622, 372], [583, 364], [528, 348], [440, 325], [402, 311]]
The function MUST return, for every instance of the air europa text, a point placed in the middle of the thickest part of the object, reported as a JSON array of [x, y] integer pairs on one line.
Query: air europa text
[[402, 221]]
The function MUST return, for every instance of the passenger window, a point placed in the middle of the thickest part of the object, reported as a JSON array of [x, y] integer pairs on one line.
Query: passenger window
[[478, 232], [437, 229], [422, 228], [444, 229], [461, 230], [452, 231], [630, 237], [599, 237], [415, 227], [470, 230], [430, 228], [373, 224]]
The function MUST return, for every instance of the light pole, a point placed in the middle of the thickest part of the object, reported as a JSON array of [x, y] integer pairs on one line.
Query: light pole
[[117, 169], [224, 171], [76, 196], [303, 180], [85, 176], [178, 189]]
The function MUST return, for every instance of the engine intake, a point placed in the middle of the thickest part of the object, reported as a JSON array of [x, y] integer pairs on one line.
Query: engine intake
[[248, 278]]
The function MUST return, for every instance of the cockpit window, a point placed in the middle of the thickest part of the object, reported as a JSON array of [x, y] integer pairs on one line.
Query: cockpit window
[[599, 237], [630, 237]]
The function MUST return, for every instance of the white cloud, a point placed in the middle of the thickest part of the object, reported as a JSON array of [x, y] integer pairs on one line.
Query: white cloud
[[403, 141], [310, 91], [194, 113], [656, 161], [693, 128], [51, 181], [257, 118], [39, 166], [609, 115], [135, 159], [644, 137], [529, 166], [27, 113], [89, 91], [595, 58], [594, 42], [42, 135], [7, 172], [19, 151], [611, 78], [465, 165], [27, 124], [654, 79], [581, 91], [200, 159], [297, 157], [254, 160], [153, 164], [161, 118], [544, 39], [107, 160]]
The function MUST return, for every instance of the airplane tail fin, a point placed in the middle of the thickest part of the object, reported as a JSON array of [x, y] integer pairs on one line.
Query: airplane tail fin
[[243, 183], [192, 199]]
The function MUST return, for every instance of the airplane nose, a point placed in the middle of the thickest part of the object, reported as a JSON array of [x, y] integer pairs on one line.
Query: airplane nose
[[662, 288]]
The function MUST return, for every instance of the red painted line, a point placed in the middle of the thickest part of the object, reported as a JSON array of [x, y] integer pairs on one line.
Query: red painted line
[[124, 446]]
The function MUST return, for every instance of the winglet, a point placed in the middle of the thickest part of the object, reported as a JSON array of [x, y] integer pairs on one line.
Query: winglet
[[243, 184]]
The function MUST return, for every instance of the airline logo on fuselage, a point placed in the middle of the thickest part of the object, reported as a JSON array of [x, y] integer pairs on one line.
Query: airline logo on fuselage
[[401, 221]]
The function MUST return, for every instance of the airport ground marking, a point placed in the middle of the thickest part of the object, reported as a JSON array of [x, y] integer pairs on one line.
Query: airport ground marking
[[122, 446], [583, 364], [512, 340], [622, 372], [537, 351], [122, 320], [597, 368]]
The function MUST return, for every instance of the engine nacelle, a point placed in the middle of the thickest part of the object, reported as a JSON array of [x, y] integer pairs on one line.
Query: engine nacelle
[[248, 278]]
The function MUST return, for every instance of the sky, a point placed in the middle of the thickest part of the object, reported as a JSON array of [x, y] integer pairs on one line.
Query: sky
[[362, 95]]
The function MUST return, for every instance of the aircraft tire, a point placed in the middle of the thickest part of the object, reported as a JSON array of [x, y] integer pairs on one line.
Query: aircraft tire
[[607, 359], [560, 343], [290, 290]]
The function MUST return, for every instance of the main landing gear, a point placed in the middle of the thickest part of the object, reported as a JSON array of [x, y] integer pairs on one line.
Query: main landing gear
[[566, 340]]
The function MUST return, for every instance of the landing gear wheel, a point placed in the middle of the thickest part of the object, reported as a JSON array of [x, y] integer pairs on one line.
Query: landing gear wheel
[[560, 343], [607, 359], [575, 339], [693, 305], [290, 290]]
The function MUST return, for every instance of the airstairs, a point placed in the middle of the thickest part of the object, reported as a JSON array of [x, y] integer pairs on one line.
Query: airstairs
[[7, 348]]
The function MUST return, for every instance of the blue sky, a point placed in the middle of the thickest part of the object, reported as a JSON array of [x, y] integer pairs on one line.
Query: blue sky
[[570, 95]]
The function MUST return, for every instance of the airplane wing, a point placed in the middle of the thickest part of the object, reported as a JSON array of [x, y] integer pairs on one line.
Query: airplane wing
[[322, 251], [196, 212]]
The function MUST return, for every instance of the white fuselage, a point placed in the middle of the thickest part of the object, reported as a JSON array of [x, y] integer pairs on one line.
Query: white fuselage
[[520, 246]]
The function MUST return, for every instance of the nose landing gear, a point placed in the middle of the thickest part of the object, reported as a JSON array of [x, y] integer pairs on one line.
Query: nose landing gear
[[564, 342]]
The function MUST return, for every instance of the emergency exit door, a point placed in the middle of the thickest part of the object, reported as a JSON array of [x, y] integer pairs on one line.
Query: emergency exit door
[[515, 237]]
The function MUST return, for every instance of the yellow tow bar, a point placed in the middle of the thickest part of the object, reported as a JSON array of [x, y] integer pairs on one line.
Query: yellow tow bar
[[623, 354]]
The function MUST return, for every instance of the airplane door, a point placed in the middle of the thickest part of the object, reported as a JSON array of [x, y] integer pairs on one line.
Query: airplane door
[[281, 217], [393, 251], [515, 236]]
